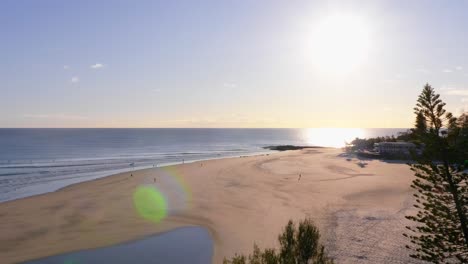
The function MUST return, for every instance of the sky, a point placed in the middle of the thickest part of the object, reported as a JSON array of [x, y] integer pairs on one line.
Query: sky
[[228, 63]]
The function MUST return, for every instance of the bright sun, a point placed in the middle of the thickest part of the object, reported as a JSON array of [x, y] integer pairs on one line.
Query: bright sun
[[340, 43]]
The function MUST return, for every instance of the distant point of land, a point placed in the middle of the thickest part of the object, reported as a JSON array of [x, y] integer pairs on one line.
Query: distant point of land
[[289, 147]]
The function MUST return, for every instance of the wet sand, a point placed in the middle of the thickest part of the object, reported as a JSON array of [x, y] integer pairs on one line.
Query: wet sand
[[359, 210]]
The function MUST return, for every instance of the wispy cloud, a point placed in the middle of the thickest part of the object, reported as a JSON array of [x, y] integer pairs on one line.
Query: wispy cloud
[[54, 116], [423, 70], [447, 87], [66, 67], [462, 92], [396, 78], [459, 68], [75, 79], [156, 90], [97, 66], [231, 121], [447, 70], [229, 85]]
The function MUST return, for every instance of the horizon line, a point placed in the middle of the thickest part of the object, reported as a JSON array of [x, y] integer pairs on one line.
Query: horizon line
[[204, 127]]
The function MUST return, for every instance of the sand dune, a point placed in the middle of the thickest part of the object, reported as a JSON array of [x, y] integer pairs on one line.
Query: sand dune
[[360, 211]]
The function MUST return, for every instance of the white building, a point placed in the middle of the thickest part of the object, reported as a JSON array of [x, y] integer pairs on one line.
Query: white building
[[394, 147]]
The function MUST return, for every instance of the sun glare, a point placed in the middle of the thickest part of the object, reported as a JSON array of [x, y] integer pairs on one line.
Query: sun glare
[[332, 137], [340, 43]]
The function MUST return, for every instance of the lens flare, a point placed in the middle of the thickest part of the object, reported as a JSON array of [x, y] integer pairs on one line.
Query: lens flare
[[178, 185], [167, 193], [150, 203]]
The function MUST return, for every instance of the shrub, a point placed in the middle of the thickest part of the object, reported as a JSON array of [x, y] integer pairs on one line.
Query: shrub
[[299, 245]]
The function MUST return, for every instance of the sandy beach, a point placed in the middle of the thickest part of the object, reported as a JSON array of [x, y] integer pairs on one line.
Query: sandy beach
[[359, 210]]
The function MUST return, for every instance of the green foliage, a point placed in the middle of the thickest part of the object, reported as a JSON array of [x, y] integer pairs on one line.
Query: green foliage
[[287, 241], [368, 143], [431, 107], [441, 234], [458, 138], [269, 256], [297, 246], [364, 147], [237, 259], [307, 240], [420, 126]]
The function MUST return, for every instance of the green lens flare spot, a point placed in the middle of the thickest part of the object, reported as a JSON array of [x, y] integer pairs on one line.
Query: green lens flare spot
[[150, 203]]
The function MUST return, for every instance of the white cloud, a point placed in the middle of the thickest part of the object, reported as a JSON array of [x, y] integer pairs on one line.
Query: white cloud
[[447, 70], [75, 79], [398, 77], [156, 90], [66, 67], [422, 70], [97, 66], [459, 68], [464, 100], [54, 116], [463, 92], [447, 87], [229, 85], [229, 120]]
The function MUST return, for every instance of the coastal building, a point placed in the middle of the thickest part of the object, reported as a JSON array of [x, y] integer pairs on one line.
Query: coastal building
[[394, 148]]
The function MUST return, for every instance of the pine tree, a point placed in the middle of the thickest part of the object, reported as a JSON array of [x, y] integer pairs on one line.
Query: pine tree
[[458, 137], [441, 234], [420, 126]]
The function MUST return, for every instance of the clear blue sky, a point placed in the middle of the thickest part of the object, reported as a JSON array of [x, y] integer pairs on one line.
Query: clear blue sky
[[228, 63]]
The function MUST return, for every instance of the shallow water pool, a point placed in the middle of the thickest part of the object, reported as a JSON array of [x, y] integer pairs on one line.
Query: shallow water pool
[[183, 245]]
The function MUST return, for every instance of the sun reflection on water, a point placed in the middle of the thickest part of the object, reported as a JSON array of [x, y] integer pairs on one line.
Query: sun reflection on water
[[332, 137]]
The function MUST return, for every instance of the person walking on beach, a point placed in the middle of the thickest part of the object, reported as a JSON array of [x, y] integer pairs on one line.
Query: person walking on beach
[[300, 175]]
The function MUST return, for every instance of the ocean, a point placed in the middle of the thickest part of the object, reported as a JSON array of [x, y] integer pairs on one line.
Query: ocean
[[35, 161]]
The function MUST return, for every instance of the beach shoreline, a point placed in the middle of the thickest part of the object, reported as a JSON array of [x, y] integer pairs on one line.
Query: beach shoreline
[[239, 200], [114, 172]]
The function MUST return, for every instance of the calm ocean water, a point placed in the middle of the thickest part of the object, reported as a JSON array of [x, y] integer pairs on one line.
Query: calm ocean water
[[34, 161]]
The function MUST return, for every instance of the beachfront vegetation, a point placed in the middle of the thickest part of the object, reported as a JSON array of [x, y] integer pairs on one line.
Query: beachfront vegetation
[[368, 144], [359, 144], [298, 245], [440, 234], [365, 147]]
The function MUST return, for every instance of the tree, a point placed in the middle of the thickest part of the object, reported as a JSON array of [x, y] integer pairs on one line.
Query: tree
[[297, 246], [420, 126], [442, 192], [458, 138], [431, 107]]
